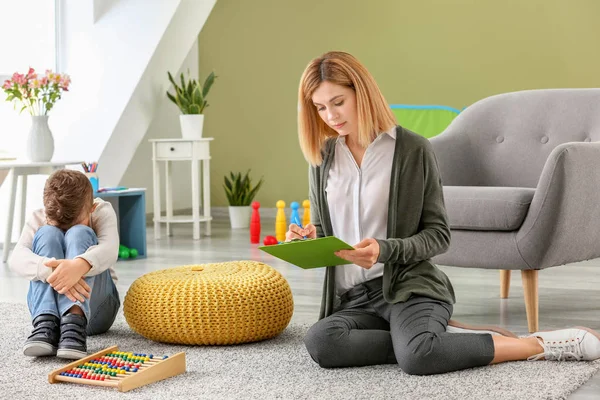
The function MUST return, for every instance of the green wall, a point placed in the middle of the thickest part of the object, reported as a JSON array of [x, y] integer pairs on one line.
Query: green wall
[[452, 52]]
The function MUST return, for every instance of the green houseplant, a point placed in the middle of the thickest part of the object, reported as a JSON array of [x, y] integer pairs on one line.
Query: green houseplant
[[240, 193], [190, 98]]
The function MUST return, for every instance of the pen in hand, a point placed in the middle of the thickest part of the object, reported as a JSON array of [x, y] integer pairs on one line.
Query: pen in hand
[[297, 222], [297, 232]]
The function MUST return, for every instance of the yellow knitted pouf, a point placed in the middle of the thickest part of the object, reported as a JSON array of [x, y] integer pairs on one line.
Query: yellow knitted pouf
[[223, 303]]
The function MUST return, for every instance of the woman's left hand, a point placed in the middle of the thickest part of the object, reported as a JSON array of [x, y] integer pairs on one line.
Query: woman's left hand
[[365, 253]]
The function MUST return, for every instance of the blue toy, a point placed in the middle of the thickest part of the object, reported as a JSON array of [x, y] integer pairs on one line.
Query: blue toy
[[295, 217]]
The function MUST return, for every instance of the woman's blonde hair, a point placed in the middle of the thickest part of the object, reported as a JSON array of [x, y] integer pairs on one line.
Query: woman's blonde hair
[[374, 114]]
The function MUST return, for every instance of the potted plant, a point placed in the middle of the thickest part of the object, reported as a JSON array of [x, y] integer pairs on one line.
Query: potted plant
[[240, 194], [190, 97], [37, 94]]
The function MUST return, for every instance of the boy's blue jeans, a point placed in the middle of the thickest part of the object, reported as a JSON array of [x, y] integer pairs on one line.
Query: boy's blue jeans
[[101, 308]]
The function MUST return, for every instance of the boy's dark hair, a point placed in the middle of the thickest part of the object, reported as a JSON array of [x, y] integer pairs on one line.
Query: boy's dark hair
[[66, 193]]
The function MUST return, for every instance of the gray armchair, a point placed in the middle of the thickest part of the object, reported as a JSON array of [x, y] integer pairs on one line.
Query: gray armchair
[[521, 176]]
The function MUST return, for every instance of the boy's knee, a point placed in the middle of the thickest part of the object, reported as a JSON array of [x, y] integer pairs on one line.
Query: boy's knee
[[79, 230], [81, 234], [49, 232], [48, 241]]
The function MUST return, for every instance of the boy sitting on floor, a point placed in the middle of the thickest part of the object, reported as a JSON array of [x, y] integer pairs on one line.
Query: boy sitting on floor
[[67, 250]]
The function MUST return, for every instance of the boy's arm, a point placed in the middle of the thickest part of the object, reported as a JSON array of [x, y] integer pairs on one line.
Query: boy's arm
[[103, 255], [23, 260]]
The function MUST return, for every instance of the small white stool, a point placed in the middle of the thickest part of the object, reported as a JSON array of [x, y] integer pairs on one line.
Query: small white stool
[[196, 151]]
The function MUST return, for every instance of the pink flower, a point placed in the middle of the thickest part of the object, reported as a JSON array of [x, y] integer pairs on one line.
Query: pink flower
[[36, 92], [52, 77], [65, 81], [19, 79]]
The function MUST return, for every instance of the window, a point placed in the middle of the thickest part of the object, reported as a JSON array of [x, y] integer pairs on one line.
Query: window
[[28, 37]]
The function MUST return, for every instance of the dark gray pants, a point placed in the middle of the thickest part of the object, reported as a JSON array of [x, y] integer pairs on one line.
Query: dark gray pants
[[366, 330]]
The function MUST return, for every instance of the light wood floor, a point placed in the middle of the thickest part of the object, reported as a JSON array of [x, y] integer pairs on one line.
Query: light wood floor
[[569, 295]]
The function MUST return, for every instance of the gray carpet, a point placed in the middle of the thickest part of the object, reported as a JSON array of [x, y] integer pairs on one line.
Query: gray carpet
[[279, 368]]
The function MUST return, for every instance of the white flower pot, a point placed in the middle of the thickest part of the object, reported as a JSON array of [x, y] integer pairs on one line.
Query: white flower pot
[[191, 125], [40, 143], [239, 216]]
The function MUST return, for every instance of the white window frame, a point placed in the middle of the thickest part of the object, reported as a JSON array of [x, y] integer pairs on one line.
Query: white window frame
[[8, 148]]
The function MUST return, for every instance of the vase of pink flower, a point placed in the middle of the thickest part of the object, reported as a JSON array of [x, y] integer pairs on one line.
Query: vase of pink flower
[[37, 94]]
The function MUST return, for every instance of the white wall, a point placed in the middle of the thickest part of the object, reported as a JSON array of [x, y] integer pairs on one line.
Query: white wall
[[100, 7], [148, 97], [106, 61], [164, 125]]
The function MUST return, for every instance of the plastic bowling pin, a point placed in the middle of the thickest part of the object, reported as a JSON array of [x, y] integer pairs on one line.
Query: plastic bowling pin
[[306, 215], [295, 217], [255, 223], [280, 222]]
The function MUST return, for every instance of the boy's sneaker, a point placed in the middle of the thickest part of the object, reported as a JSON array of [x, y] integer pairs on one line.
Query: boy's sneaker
[[73, 337], [44, 337], [459, 327], [574, 344]]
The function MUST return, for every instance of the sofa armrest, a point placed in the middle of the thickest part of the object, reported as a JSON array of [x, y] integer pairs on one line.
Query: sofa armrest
[[456, 160], [563, 222]]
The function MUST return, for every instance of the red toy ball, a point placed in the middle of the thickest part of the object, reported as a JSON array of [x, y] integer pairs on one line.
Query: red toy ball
[[270, 240]]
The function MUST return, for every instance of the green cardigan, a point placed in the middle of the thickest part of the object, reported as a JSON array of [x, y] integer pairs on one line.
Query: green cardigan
[[417, 227]]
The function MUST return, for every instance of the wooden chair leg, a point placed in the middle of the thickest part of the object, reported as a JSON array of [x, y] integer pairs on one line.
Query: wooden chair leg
[[504, 283], [530, 288]]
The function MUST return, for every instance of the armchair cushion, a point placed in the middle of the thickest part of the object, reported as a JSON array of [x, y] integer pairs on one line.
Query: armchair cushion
[[484, 208]]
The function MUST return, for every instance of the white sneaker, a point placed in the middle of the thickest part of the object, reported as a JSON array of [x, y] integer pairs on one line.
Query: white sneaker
[[574, 344], [459, 327]]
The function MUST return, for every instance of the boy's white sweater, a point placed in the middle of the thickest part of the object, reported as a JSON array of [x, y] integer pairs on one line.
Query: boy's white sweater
[[101, 257]]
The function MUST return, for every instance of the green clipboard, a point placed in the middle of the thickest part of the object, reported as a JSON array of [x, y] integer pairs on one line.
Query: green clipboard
[[310, 253]]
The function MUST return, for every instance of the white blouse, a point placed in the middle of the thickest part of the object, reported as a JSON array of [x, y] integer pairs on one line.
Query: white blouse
[[358, 201]]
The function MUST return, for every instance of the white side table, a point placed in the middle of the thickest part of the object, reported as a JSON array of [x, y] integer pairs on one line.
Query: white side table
[[23, 169], [196, 151]]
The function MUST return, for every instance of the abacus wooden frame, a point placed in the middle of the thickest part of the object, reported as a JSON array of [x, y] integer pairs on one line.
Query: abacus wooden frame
[[163, 369]]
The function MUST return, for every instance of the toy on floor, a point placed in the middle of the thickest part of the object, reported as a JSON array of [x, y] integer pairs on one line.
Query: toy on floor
[[295, 217], [306, 215], [255, 223], [270, 240], [280, 222], [122, 370], [126, 252]]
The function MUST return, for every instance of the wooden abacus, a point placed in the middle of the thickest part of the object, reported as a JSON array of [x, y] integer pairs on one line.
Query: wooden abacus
[[122, 370]]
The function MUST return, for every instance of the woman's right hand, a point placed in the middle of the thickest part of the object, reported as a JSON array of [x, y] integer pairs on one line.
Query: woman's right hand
[[295, 232]]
